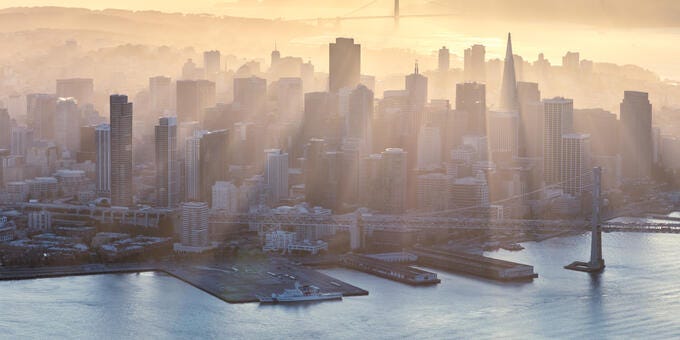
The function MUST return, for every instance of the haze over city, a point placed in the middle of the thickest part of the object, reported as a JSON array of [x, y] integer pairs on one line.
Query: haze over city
[[339, 169]]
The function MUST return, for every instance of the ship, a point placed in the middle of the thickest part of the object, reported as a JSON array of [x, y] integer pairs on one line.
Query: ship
[[300, 293]]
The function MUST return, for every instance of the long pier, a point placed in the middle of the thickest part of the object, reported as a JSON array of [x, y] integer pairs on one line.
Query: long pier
[[389, 270]]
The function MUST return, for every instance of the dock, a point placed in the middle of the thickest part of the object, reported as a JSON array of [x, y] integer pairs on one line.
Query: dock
[[389, 270], [475, 265]]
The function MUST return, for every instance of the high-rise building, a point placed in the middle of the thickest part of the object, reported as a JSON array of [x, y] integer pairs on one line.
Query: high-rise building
[[214, 163], [102, 141], [5, 130], [358, 122], [194, 96], [212, 64], [444, 60], [67, 126], [315, 172], [474, 64], [192, 162], [160, 94], [121, 151], [416, 86], [21, 141], [636, 135], [88, 149], [395, 180], [509, 102], [344, 64], [167, 164], [576, 174], [470, 192], [276, 174], [571, 61], [433, 191], [471, 99], [503, 135], [81, 89], [429, 147], [40, 110], [531, 120], [289, 99], [250, 95], [557, 121], [225, 197], [317, 106], [194, 232]]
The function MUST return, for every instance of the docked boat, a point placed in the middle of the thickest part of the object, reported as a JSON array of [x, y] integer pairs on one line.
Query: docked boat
[[300, 293]]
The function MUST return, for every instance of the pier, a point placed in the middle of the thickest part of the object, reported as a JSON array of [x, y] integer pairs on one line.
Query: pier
[[389, 270]]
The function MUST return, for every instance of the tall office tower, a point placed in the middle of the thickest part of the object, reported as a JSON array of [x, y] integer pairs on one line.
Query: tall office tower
[[40, 111], [349, 174], [189, 70], [21, 141], [276, 174], [102, 141], [344, 64], [571, 61], [5, 130], [192, 165], [212, 64], [88, 149], [275, 57], [604, 130], [289, 99], [576, 174], [250, 95], [531, 120], [509, 101], [185, 130], [444, 60], [194, 96], [636, 135], [194, 224], [358, 122], [160, 94], [315, 172], [429, 147], [167, 164], [557, 121], [395, 180], [503, 135], [317, 106], [471, 99], [67, 126], [433, 191], [79, 88], [214, 164], [474, 64], [416, 86], [121, 151]]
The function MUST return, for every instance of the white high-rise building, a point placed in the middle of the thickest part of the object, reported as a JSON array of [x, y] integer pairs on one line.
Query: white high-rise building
[[429, 147], [194, 231], [558, 121], [576, 175], [225, 197], [67, 126], [102, 140], [192, 161], [276, 174]]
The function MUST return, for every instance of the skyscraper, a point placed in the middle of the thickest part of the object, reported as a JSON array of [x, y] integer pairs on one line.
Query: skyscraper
[[531, 120], [358, 122], [102, 141], [503, 135], [276, 174], [40, 111], [81, 89], [194, 96], [21, 141], [344, 64], [5, 130], [214, 164], [289, 99], [212, 64], [509, 101], [429, 147], [250, 95], [395, 181], [474, 64], [167, 164], [192, 162], [575, 163], [416, 86], [67, 125], [160, 93], [557, 121], [636, 135], [444, 59], [121, 151], [471, 99]]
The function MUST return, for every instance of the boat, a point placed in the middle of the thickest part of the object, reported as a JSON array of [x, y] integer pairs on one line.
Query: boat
[[512, 247], [300, 293]]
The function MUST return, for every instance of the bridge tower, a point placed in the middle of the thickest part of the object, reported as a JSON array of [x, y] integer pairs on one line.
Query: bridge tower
[[596, 263], [396, 13]]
